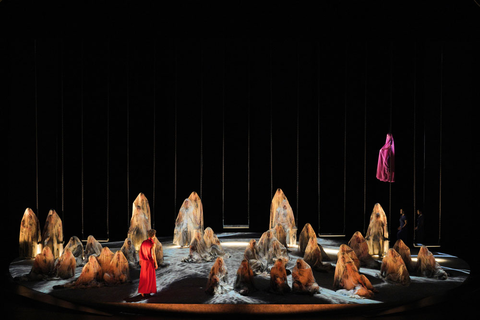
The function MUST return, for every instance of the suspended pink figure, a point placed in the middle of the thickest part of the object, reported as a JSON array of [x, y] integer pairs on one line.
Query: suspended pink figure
[[386, 161]]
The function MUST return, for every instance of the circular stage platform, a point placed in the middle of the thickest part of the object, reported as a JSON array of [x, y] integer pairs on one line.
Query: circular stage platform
[[181, 290]]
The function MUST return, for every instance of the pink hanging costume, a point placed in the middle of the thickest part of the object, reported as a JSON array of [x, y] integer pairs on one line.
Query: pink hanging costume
[[386, 161]]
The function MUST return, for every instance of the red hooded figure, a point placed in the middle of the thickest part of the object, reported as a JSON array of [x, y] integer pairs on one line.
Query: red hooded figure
[[148, 264], [386, 161]]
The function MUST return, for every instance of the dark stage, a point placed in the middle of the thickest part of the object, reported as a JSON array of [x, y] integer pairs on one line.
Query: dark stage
[[93, 123]]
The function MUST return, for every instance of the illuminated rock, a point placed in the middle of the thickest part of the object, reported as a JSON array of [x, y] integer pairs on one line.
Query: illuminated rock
[[404, 251], [347, 277], [198, 250], [212, 243], [189, 220], [264, 244], [244, 281], [52, 235], [281, 213], [277, 251], [218, 278], [30, 235], [43, 265], [427, 266], [280, 234], [393, 268], [140, 222], [344, 249], [278, 278], [129, 252], [314, 257], [306, 234], [104, 260], [256, 264], [159, 252], [377, 231], [76, 248], [303, 279], [91, 274], [65, 265], [93, 247], [360, 246], [118, 271]]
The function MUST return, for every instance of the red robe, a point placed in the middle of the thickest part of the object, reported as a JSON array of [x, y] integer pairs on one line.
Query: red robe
[[148, 280]]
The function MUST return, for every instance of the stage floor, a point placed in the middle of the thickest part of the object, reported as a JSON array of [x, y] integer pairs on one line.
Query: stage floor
[[181, 285]]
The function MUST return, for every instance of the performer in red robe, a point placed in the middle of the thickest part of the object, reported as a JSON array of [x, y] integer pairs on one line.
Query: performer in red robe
[[386, 161], [148, 264]]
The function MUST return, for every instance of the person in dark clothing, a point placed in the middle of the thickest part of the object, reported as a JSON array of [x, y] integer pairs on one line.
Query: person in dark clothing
[[419, 231], [402, 230]]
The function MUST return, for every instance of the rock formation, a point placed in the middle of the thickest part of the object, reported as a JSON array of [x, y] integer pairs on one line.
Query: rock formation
[[104, 260], [189, 220], [360, 246], [347, 277], [52, 235], [129, 252], [218, 278], [303, 279], [212, 243], [278, 278], [427, 266], [93, 247], [76, 248], [30, 235], [244, 281], [313, 256], [118, 271], [281, 213], [140, 222], [65, 265], [404, 251], [257, 264], [344, 249], [393, 268], [90, 276], [377, 231], [43, 265]]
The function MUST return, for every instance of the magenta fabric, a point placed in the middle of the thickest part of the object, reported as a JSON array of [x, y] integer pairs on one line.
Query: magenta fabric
[[386, 161]]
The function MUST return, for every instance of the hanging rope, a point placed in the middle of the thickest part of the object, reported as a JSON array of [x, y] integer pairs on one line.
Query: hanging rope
[[440, 148], [128, 131], [154, 130], [248, 133], [201, 121], [36, 121], [365, 142], [82, 140], [108, 140], [175, 130], [414, 138], [318, 138], [223, 129], [298, 131], [345, 142], [391, 130], [271, 120], [62, 134]]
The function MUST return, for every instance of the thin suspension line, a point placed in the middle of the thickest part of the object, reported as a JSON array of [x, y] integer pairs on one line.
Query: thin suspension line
[[440, 148], [365, 142], [391, 131], [82, 141], [223, 130], [154, 131], [108, 140], [249, 102], [271, 119], [175, 128], [298, 132], [36, 121], [201, 119], [318, 139], [62, 132], [345, 142], [128, 131], [414, 138]]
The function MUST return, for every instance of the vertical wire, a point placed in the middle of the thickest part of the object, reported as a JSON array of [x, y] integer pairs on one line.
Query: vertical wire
[[175, 128], [271, 119], [345, 142], [128, 131], [298, 131], [249, 99], [36, 121], [318, 140], [108, 140], [62, 133], [154, 131], [82, 141], [440, 148], [365, 142], [414, 139], [201, 118], [223, 129], [391, 129]]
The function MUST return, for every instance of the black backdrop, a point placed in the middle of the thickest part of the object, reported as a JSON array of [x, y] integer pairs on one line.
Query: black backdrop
[[93, 123]]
